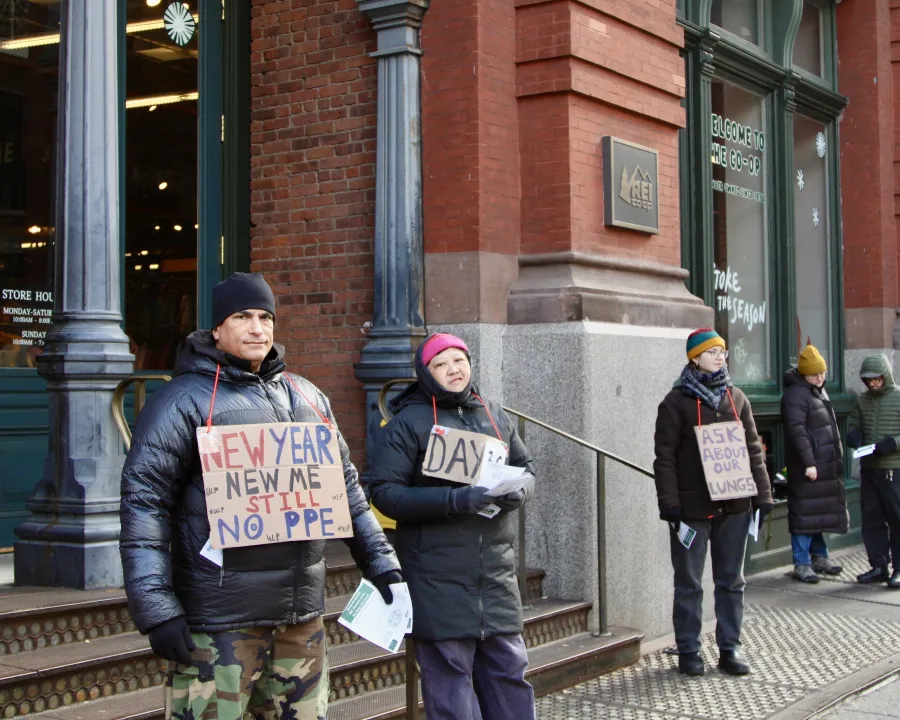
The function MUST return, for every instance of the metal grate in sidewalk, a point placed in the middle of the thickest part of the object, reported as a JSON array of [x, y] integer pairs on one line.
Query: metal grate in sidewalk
[[792, 653]]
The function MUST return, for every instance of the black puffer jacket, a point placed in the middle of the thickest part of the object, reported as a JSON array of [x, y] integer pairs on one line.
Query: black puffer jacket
[[461, 569], [163, 502], [813, 440]]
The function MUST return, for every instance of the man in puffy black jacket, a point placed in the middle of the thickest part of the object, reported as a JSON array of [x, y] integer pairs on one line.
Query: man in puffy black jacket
[[247, 635], [460, 566]]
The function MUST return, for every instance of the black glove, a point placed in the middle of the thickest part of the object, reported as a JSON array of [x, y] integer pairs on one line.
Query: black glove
[[764, 509], [672, 515], [469, 500], [172, 641], [384, 581], [854, 438], [886, 446], [510, 501]]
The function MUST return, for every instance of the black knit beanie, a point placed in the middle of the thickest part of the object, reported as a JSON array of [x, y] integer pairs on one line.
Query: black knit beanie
[[241, 291]]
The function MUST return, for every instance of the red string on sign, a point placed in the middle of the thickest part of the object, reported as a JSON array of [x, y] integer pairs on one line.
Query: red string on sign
[[212, 402], [314, 407], [490, 417], [733, 408]]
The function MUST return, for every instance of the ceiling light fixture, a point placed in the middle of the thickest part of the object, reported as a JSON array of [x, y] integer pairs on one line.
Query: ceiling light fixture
[[154, 266], [34, 229], [178, 228], [153, 3], [138, 267], [145, 252], [160, 100], [163, 185]]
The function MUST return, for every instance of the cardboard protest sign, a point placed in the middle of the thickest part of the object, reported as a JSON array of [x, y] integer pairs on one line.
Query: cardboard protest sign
[[726, 464], [273, 482], [460, 456]]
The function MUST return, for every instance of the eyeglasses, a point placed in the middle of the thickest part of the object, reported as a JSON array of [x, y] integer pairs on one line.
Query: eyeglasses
[[717, 352]]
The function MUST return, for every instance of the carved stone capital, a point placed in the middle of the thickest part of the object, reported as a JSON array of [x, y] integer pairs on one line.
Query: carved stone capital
[[386, 14]]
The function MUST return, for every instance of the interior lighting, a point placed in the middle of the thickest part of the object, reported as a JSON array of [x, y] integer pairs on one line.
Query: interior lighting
[[163, 185], [34, 229], [178, 228], [26, 245], [53, 38], [154, 266], [152, 108], [156, 227], [153, 3], [196, 226], [158, 99], [145, 252], [138, 267], [127, 254]]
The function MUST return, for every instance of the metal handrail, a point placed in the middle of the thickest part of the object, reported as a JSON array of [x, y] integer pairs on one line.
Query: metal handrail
[[140, 399], [601, 457]]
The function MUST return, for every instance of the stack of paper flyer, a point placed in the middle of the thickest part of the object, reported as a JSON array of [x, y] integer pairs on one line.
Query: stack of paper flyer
[[371, 618]]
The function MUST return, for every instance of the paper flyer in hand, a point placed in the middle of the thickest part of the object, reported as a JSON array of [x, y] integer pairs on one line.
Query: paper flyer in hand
[[863, 451], [369, 617], [686, 535], [502, 479], [754, 525]]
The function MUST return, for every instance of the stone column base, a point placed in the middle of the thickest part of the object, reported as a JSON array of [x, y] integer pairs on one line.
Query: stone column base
[[568, 286]]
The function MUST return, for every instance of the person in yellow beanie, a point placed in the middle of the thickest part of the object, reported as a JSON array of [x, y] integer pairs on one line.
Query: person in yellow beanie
[[815, 467]]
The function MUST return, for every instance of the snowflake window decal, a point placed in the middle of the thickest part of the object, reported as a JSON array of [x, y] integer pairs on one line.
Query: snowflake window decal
[[816, 218], [821, 144], [800, 181], [179, 23]]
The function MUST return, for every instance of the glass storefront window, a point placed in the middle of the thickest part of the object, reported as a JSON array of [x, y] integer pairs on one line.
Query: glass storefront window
[[808, 45], [741, 17], [160, 180], [740, 205], [811, 236], [29, 71]]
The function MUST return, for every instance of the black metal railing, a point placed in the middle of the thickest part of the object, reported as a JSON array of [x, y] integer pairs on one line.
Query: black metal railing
[[601, 457]]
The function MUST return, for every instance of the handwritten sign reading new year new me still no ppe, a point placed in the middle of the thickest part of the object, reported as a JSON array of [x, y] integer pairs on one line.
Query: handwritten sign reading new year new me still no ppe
[[273, 482], [726, 464]]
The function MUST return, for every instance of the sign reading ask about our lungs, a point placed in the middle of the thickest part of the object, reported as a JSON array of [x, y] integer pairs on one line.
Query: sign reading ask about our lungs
[[273, 482], [726, 464]]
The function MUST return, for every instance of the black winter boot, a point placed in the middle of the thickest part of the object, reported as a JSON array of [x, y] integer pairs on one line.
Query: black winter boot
[[731, 662], [875, 575], [690, 664]]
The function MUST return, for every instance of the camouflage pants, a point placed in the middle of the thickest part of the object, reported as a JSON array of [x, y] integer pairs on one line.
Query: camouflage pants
[[276, 673]]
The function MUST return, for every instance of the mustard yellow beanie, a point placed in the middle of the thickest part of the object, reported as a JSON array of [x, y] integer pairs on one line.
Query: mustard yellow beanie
[[811, 361]]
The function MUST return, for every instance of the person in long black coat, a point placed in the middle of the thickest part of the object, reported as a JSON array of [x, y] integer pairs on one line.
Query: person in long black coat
[[459, 565], [815, 467]]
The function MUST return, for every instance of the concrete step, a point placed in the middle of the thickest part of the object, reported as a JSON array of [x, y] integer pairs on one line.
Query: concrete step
[[58, 676], [552, 666]]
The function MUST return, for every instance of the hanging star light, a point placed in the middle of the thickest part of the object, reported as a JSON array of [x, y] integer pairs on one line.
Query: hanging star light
[[800, 181], [821, 144], [179, 23]]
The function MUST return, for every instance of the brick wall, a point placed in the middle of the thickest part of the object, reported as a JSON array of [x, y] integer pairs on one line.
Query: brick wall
[[313, 125], [867, 139]]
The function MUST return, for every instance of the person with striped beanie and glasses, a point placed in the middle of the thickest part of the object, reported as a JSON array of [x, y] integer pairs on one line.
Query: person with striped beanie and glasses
[[704, 395]]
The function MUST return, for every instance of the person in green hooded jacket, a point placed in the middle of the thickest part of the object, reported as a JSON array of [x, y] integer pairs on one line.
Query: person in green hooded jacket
[[875, 420]]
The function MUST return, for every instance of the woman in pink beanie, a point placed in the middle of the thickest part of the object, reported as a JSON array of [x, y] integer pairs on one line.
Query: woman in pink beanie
[[459, 565]]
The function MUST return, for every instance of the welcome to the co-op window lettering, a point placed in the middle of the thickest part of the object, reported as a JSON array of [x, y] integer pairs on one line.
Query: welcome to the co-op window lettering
[[746, 157]]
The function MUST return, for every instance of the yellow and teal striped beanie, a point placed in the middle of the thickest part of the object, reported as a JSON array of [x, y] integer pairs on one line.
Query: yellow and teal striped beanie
[[702, 340]]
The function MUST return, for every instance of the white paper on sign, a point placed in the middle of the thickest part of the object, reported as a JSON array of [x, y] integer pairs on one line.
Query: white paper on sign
[[210, 553], [863, 451], [208, 442], [503, 479], [754, 525], [369, 617]]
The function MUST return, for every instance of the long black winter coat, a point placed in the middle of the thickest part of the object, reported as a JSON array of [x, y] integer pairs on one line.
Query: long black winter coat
[[163, 502], [461, 570], [813, 440]]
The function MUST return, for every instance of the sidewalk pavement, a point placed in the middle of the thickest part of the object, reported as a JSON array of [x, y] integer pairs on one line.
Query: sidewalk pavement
[[811, 648]]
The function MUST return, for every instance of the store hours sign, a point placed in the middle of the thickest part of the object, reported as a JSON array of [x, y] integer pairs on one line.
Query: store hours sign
[[630, 185]]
